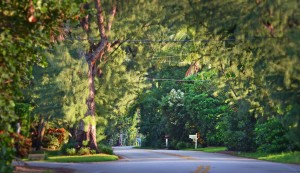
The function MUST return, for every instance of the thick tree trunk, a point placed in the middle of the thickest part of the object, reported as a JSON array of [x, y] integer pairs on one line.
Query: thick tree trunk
[[91, 132], [41, 132], [88, 131]]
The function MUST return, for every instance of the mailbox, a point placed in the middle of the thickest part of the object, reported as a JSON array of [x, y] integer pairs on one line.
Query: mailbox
[[194, 137]]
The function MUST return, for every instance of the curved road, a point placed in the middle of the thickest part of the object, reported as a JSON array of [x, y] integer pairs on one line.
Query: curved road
[[174, 161]]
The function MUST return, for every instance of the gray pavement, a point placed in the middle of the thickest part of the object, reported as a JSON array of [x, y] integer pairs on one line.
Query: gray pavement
[[173, 161]]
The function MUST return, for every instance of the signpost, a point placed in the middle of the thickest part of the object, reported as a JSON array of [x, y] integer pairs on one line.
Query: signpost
[[195, 139]]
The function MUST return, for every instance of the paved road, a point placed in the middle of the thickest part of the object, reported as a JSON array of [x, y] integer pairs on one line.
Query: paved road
[[171, 161]]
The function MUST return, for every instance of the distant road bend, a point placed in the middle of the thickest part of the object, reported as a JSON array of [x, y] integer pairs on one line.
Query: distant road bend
[[174, 161]]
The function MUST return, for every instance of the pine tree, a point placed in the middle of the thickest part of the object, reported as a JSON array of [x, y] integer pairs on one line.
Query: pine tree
[[58, 93]]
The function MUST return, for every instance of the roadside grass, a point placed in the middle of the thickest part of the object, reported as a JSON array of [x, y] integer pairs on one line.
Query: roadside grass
[[53, 153], [284, 157], [83, 158], [209, 149], [56, 156]]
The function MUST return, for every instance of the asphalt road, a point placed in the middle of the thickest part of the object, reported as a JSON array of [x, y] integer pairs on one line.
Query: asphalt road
[[173, 161]]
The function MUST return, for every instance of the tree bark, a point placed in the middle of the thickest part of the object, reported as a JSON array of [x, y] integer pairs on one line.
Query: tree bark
[[41, 132], [91, 130]]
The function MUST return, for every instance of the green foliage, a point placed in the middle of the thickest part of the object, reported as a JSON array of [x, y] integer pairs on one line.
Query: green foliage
[[85, 143], [20, 42], [282, 157], [172, 108], [206, 112], [239, 127], [55, 138], [59, 91], [264, 63], [70, 144], [84, 151], [6, 143], [93, 151], [50, 141], [105, 149], [152, 121], [271, 137], [71, 151], [250, 59], [23, 111], [181, 145]]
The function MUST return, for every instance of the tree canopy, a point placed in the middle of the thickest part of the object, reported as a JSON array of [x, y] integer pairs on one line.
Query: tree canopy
[[108, 71]]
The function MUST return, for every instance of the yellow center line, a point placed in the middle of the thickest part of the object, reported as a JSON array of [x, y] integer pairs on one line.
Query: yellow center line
[[198, 169], [177, 155], [206, 169]]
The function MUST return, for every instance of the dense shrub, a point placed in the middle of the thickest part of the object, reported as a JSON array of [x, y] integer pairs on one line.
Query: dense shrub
[[6, 152], [71, 151], [153, 142], [54, 138], [22, 145], [61, 134], [70, 144], [181, 145], [215, 138], [270, 137], [84, 151], [238, 127], [51, 142], [93, 151], [105, 149]]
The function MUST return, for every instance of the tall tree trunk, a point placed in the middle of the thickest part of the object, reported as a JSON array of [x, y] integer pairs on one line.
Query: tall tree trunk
[[41, 132], [91, 132], [87, 129]]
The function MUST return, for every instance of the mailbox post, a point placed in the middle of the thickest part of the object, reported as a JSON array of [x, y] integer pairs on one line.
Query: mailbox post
[[195, 139]]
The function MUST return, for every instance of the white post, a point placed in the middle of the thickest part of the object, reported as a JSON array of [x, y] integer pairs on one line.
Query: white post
[[196, 141], [166, 142], [121, 139]]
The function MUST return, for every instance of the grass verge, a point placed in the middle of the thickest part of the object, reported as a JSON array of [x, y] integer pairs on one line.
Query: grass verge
[[84, 158], [209, 149], [285, 157]]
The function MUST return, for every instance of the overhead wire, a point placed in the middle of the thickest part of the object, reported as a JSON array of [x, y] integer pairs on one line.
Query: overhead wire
[[176, 41], [175, 80]]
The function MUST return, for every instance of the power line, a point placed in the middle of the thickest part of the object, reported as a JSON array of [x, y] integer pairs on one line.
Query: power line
[[177, 41], [148, 40], [167, 41], [175, 80]]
